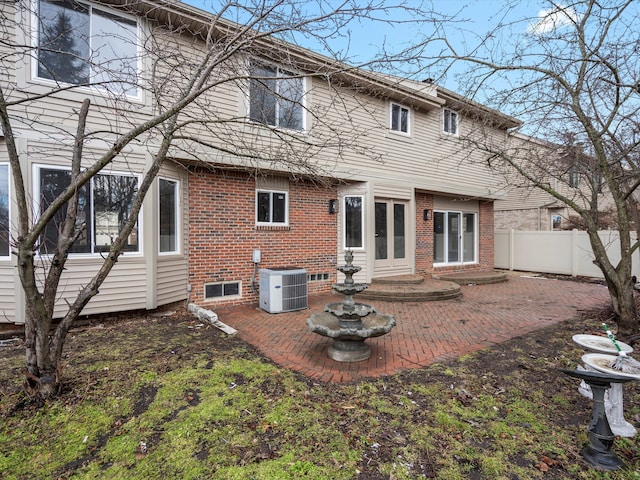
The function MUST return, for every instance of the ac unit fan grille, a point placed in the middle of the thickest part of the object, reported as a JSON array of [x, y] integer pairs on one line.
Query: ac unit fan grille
[[294, 295]]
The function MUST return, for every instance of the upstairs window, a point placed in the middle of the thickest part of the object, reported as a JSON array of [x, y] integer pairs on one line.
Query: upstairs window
[[449, 122], [399, 118], [80, 44], [275, 97], [272, 207], [574, 177], [103, 207], [4, 210]]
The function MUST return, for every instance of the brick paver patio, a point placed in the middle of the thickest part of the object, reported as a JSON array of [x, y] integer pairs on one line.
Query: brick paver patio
[[425, 333]]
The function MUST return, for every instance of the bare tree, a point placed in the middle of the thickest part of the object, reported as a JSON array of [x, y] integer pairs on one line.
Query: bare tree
[[165, 107], [571, 75]]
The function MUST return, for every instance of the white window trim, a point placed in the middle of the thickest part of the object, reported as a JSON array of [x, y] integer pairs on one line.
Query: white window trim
[[291, 74], [286, 213], [457, 132], [476, 239], [6, 164], [36, 206], [409, 122], [96, 90], [344, 224], [178, 218]]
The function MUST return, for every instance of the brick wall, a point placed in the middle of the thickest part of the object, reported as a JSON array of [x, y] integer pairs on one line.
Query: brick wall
[[424, 239], [524, 219], [486, 225], [424, 234], [223, 234]]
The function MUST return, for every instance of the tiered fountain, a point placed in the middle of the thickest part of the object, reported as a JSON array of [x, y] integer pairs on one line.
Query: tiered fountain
[[350, 323]]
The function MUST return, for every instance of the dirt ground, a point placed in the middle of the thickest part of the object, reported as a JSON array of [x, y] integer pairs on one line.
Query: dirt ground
[[164, 342]]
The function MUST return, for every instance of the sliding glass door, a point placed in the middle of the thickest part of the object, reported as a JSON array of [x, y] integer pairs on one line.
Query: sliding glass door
[[454, 237]]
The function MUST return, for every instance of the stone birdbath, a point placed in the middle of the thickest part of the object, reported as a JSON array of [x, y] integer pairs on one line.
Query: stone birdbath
[[350, 323], [614, 400]]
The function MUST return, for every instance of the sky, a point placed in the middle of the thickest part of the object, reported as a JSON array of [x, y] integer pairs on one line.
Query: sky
[[476, 17]]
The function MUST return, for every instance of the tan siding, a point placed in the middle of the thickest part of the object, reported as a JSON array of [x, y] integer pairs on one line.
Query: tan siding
[[455, 204], [381, 272], [427, 159], [393, 191], [7, 292], [272, 183], [172, 280], [124, 288]]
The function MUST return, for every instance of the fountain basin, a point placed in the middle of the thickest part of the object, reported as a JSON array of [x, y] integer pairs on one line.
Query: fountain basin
[[349, 288], [349, 312], [600, 344], [350, 269], [349, 342]]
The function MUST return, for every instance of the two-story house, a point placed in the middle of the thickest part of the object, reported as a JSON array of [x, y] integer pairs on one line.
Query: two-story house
[[289, 154]]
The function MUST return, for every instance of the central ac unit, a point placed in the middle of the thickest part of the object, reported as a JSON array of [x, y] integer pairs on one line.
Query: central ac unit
[[283, 289]]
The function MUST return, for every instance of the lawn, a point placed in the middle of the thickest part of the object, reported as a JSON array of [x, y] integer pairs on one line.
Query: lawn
[[151, 397]]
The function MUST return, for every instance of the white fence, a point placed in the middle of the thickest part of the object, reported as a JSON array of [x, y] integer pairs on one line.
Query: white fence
[[561, 252]]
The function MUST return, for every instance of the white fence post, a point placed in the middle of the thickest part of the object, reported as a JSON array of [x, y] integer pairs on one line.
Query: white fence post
[[512, 240], [575, 260]]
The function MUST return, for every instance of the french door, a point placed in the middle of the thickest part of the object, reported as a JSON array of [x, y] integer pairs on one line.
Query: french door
[[390, 233]]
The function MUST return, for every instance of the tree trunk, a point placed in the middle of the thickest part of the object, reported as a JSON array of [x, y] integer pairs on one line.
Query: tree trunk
[[627, 316]]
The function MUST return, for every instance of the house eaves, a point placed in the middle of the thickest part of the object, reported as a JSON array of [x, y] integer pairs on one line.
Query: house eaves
[[477, 110], [199, 23]]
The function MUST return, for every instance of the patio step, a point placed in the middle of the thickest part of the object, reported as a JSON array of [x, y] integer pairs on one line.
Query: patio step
[[399, 280], [480, 277], [410, 288]]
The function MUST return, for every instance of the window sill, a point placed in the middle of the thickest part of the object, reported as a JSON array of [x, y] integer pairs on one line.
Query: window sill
[[259, 126], [75, 93], [454, 264], [222, 299], [403, 137], [273, 227], [169, 254]]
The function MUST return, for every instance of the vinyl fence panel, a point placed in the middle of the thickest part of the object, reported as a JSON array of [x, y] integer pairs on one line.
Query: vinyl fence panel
[[561, 252]]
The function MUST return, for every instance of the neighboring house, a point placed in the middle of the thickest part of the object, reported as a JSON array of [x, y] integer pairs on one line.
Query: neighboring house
[[530, 209], [410, 199], [524, 207]]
